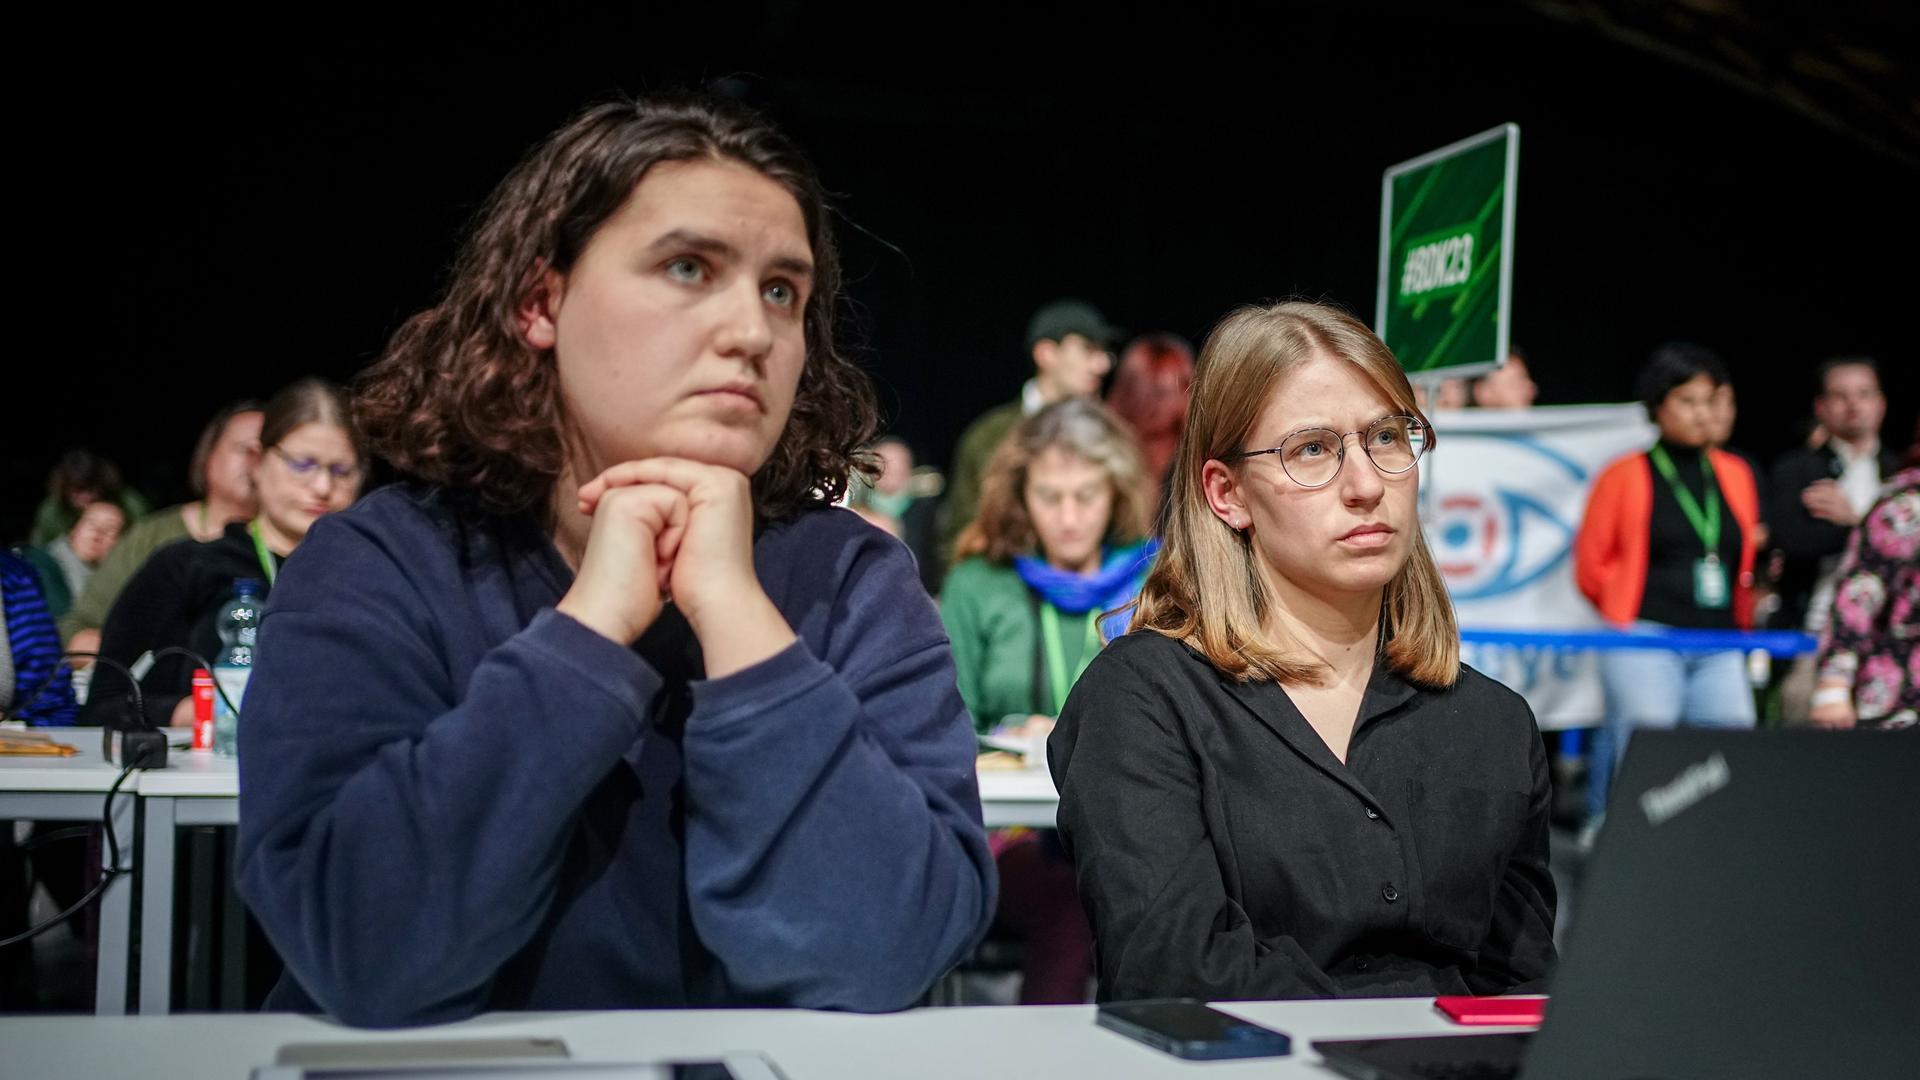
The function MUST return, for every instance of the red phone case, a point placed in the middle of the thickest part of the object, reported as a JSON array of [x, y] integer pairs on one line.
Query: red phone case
[[1493, 1010]]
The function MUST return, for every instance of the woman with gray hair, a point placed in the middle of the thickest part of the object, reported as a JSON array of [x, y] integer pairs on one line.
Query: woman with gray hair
[[1059, 543]]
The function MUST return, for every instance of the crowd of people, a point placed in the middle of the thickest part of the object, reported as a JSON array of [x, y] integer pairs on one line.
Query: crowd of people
[[604, 704]]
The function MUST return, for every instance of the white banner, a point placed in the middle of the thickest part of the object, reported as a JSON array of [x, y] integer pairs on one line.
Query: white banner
[[1502, 497]]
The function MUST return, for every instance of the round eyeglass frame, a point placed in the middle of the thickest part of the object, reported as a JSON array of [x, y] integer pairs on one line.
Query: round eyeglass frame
[[1340, 440]]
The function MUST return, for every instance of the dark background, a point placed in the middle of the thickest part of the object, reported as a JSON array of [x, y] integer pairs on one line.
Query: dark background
[[214, 205]]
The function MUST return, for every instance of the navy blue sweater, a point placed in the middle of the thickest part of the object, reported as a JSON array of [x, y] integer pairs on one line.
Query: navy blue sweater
[[455, 799]]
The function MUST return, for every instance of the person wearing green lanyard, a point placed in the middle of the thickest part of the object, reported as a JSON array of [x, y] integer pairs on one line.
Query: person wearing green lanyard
[[310, 464], [1057, 545], [1667, 541]]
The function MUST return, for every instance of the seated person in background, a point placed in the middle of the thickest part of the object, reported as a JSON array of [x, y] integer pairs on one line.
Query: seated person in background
[[310, 465], [221, 473], [37, 689], [66, 564], [78, 480], [1058, 541], [904, 501], [1869, 661], [34, 686], [1283, 783], [620, 710]]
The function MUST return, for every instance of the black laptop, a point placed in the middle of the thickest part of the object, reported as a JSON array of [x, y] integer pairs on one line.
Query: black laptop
[[1752, 911]]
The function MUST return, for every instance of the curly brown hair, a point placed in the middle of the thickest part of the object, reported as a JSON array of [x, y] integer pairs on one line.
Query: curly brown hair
[[1002, 528], [460, 399]]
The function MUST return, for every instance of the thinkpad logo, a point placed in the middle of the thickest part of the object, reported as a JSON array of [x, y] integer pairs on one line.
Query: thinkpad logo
[[1661, 804]]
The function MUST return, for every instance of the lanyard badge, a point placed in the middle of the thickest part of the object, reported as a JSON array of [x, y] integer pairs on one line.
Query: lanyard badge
[[1711, 591]]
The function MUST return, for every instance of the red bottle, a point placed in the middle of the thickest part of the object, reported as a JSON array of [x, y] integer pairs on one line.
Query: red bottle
[[202, 709]]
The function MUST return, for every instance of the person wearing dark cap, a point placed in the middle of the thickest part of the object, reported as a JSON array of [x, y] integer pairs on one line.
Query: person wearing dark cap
[[1069, 341]]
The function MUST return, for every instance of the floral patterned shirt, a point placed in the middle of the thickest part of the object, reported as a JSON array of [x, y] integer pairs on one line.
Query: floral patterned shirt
[[1870, 641]]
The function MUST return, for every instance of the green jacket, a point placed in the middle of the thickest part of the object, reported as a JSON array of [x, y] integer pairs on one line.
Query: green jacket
[[53, 518], [993, 620], [129, 554], [53, 580]]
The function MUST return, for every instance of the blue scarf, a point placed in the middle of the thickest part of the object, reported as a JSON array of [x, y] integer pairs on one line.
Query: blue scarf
[[1122, 572]]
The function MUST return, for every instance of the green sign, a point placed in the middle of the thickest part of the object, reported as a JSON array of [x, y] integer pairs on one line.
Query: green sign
[[1446, 255]]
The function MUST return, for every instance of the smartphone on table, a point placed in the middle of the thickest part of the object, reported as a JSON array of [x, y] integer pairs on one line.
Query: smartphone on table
[[1191, 1029]]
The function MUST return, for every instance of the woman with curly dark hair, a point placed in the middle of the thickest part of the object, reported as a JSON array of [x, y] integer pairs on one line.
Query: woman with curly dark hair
[[618, 711]]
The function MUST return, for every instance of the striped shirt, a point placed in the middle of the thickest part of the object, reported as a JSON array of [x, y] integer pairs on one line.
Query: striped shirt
[[42, 686]]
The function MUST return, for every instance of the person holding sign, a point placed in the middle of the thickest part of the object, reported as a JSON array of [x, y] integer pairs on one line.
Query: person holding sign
[[1668, 541], [1284, 783]]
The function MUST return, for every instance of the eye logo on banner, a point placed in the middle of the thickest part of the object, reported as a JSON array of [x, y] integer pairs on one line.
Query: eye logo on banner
[[1494, 537], [1501, 500]]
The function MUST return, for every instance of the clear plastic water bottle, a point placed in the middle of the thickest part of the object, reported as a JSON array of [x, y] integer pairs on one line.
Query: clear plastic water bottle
[[238, 622]]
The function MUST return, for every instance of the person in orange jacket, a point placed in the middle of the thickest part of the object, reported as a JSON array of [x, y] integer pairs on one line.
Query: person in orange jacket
[[1667, 541]]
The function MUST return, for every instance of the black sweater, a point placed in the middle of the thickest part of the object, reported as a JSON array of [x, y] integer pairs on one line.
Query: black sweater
[[173, 600]]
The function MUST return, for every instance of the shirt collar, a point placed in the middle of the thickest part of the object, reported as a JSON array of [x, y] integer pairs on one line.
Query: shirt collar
[[1031, 400], [1387, 690], [1870, 454]]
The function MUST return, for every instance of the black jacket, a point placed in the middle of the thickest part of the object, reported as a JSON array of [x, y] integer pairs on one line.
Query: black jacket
[[1802, 538], [1223, 852]]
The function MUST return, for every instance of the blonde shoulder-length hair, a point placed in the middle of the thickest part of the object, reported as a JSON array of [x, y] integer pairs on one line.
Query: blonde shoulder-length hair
[[1205, 589], [1086, 429]]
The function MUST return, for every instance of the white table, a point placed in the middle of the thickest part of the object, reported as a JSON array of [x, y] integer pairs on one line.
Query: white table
[[198, 788], [1018, 797], [74, 789], [925, 1044]]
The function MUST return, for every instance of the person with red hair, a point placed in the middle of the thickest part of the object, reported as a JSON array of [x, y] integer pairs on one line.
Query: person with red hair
[[1150, 393]]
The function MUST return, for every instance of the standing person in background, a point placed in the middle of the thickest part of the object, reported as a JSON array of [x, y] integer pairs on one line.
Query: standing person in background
[[78, 480], [1869, 661], [66, 564], [1816, 497], [1059, 541], [620, 711], [1723, 416], [221, 475], [310, 465], [1149, 392], [1667, 541], [1069, 342], [1509, 386]]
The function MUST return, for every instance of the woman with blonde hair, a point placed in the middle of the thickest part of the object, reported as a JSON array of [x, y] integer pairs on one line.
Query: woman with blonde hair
[[1057, 545], [1283, 783]]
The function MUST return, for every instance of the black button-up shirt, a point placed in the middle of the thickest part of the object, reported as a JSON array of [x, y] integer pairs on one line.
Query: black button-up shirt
[[1223, 851]]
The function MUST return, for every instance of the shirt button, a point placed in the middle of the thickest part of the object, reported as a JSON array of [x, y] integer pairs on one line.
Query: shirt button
[[1389, 893], [1372, 814]]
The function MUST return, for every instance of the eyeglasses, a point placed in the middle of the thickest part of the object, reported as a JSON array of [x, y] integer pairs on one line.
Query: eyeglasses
[[307, 469], [1312, 456]]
